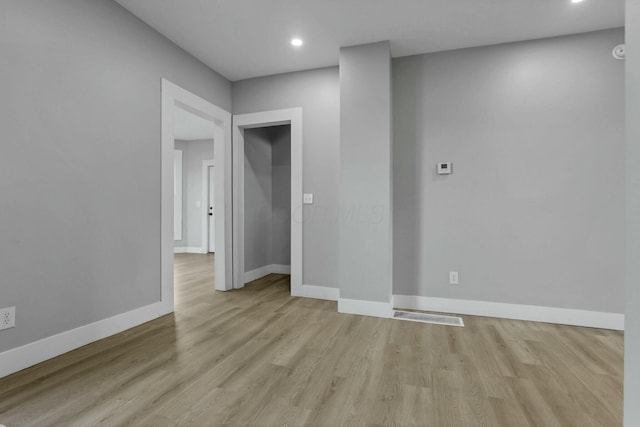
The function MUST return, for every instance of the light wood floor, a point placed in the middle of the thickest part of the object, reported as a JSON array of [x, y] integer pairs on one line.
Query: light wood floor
[[260, 357]]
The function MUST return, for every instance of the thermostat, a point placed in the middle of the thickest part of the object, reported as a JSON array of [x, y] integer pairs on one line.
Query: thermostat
[[444, 168]]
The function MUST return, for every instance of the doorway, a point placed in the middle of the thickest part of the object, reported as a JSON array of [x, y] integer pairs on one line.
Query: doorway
[[292, 118], [209, 211], [194, 147], [267, 201], [174, 99]]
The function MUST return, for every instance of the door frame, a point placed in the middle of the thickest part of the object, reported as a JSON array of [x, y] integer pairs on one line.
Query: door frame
[[175, 96], [292, 116], [206, 164]]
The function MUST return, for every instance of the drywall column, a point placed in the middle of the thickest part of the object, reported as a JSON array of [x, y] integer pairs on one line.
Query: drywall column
[[632, 280], [365, 222]]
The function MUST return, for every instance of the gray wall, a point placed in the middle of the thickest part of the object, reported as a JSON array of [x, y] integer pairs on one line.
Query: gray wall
[[632, 309], [318, 93], [534, 211], [365, 227], [281, 195], [80, 161], [257, 199], [267, 189], [193, 153]]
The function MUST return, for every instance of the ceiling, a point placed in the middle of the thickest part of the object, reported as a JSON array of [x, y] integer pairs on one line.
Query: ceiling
[[187, 126], [250, 38]]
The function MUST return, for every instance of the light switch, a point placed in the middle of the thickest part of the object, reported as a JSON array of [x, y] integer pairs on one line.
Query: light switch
[[307, 199], [198, 204]]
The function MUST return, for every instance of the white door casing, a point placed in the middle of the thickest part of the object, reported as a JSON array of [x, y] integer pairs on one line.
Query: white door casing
[[292, 116], [174, 96]]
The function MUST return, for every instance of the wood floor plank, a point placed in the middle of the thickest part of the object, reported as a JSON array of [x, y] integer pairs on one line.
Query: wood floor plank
[[259, 357]]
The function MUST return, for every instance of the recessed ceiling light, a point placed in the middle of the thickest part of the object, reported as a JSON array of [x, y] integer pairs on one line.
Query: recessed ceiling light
[[576, 1], [297, 42]]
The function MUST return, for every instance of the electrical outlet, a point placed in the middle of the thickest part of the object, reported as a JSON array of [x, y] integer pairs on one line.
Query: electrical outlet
[[7, 318], [453, 278]]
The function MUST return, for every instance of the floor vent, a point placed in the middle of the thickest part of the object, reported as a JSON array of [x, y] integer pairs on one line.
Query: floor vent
[[428, 318]]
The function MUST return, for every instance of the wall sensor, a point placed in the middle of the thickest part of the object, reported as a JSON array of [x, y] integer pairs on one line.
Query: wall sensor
[[619, 52]]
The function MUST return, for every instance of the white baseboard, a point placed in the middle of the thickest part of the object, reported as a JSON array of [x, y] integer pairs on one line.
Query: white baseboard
[[188, 250], [317, 292], [562, 316], [20, 358], [256, 274], [280, 269], [365, 308]]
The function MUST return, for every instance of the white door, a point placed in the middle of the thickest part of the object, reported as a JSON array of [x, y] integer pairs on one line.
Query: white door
[[212, 228]]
